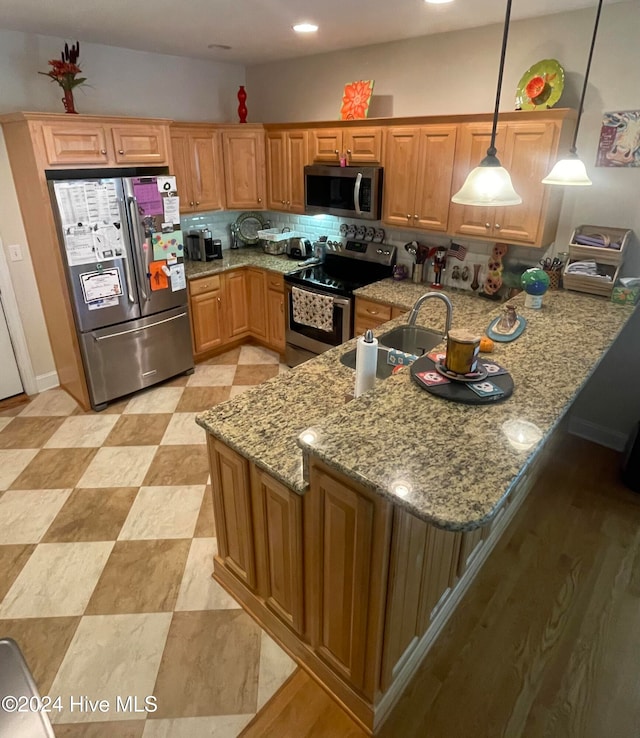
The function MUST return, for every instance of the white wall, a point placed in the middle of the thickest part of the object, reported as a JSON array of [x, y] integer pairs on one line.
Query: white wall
[[457, 73], [120, 82]]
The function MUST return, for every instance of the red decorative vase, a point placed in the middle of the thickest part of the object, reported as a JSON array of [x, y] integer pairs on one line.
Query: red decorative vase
[[67, 101], [242, 108]]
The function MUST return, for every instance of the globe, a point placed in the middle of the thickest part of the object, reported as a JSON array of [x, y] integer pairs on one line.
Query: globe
[[535, 281]]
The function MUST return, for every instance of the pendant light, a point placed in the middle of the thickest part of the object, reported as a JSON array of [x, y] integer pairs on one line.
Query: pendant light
[[489, 183], [571, 170]]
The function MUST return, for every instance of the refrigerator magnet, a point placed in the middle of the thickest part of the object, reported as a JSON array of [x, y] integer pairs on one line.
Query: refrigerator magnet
[[157, 277]]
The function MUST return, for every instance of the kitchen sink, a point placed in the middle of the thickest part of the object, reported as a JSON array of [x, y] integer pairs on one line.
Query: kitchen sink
[[383, 368], [411, 339]]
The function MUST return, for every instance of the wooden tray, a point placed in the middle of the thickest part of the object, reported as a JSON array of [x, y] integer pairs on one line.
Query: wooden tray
[[591, 285], [601, 255]]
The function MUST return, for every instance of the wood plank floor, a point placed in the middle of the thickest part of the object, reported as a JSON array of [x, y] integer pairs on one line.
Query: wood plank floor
[[546, 643]]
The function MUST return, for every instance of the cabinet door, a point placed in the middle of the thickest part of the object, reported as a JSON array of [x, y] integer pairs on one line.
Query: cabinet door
[[435, 172], [326, 144], [278, 537], [230, 484], [206, 170], [257, 302], [235, 301], [244, 168], [181, 163], [528, 158], [84, 143], [206, 321], [140, 144], [401, 154], [363, 145], [276, 320], [297, 144], [473, 142], [276, 171]]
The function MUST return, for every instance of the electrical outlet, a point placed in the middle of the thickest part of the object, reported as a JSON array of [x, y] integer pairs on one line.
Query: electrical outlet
[[15, 252]]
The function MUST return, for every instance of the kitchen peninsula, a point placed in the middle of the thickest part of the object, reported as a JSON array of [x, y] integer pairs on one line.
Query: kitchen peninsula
[[350, 529]]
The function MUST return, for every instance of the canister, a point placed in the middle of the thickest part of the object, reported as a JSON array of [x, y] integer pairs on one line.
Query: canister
[[462, 351]]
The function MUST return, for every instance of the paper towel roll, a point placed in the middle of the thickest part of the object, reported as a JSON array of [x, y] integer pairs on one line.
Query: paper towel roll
[[366, 362]]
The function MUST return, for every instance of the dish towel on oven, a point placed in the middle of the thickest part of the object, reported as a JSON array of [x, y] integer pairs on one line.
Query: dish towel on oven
[[312, 309]]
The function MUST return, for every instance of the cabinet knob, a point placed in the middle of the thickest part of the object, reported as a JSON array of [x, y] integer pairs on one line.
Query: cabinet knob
[[259, 199], [197, 202], [103, 151], [336, 152], [487, 225], [498, 226], [408, 216], [349, 152], [121, 151], [372, 312], [219, 300], [416, 216], [288, 202], [281, 306], [283, 202], [191, 203]]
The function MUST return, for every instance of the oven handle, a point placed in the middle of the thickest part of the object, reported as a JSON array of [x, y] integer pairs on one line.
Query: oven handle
[[356, 193], [344, 301]]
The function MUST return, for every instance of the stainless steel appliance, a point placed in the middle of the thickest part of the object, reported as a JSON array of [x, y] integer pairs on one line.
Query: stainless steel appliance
[[299, 248], [123, 257], [346, 267], [354, 192], [202, 247]]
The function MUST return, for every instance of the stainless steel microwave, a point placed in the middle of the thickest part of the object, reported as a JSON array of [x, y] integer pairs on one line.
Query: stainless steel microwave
[[352, 192]]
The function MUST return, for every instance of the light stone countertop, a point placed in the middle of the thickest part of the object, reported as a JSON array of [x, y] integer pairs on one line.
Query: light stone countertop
[[453, 462], [236, 258]]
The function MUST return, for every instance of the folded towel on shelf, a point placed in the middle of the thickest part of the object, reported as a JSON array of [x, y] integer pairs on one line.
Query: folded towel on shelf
[[587, 268], [312, 309], [598, 240]]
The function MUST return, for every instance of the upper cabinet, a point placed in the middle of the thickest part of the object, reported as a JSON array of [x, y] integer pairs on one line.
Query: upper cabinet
[[287, 154], [418, 168], [527, 149], [96, 142], [244, 175], [361, 145], [197, 165]]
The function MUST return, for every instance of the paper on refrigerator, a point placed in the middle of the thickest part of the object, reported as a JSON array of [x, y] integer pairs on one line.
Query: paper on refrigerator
[[100, 285], [178, 278]]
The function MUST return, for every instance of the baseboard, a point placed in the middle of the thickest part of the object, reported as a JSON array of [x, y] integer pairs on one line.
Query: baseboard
[[47, 381], [597, 433]]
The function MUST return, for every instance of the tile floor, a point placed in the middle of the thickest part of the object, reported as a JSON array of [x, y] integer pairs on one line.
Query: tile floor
[[106, 544]]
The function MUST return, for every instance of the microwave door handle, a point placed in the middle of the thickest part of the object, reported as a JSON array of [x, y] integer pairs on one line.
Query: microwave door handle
[[125, 261], [136, 230], [356, 193]]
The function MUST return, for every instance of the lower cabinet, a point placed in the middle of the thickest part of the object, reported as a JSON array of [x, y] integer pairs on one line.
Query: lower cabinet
[[257, 302], [205, 302], [371, 314], [275, 312]]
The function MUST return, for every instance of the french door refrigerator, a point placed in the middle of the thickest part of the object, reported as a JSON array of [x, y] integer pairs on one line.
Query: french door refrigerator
[[123, 254]]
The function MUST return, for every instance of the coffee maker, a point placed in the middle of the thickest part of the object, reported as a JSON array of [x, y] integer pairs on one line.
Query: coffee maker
[[202, 247]]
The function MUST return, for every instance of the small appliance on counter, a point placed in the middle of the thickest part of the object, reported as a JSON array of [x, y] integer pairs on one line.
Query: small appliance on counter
[[299, 248], [202, 247]]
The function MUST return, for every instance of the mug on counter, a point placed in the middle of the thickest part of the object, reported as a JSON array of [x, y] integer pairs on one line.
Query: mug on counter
[[463, 347]]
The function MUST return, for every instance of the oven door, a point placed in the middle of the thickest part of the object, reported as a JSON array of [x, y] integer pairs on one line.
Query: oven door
[[313, 341]]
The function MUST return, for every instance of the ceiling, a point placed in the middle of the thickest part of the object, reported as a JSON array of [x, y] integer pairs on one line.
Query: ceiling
[[258, 31]]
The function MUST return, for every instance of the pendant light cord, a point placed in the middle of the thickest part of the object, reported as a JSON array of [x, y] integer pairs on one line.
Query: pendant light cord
[[586, 79], [491, 151]]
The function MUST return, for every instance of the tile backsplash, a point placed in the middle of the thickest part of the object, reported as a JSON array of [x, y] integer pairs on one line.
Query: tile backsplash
[[314, 226]]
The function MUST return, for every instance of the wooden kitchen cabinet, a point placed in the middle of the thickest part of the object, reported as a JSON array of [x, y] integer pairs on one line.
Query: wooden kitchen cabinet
[[83, 143], [361, 145], [370, 314], [276, 315], [527, 150], [277, 515], [236, 310], [140, 144], [244, 172], [257, 302], [231, 488], [205, 303], [287, 154], [418, 169], [197, 164]]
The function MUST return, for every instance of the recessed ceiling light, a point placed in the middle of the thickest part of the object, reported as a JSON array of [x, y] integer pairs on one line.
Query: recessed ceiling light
[[224, 47], [305, 28], [438, 2]]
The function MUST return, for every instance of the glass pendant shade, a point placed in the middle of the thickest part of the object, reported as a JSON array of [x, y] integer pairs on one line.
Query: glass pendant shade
[[487, 185], [569, 171]]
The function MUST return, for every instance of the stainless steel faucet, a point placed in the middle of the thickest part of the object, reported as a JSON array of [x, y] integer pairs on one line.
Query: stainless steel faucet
[[427, 296]]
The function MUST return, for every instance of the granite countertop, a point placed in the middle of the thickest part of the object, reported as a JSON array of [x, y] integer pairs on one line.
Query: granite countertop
[[236, 258], [447, 463]]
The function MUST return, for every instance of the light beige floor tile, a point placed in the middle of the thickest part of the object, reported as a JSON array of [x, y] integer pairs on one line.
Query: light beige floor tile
[[12, 463], [163, 512], [4, 422], [25, 515], [57, 580], [257, 355], [219, 726], [207, 375], [118, 466], [199, 591], [275, 668], [51, 402], [228, 357], [182, 429], [239, 389], [158, 400], [110, 656], [112, 729], [82, 431]]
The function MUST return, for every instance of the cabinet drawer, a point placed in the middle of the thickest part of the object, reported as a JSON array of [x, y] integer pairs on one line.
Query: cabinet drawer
[[206, 284], [275, 282], [373, 310]]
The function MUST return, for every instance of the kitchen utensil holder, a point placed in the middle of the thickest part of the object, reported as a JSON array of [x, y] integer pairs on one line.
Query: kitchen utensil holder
[[418, 273], [554, 278]]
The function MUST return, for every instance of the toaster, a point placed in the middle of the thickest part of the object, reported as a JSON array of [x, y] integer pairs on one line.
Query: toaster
[[299, 248]]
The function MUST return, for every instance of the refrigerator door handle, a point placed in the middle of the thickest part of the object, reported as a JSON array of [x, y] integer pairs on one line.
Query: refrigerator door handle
[[125, 261], [136, 229], [138, 330]]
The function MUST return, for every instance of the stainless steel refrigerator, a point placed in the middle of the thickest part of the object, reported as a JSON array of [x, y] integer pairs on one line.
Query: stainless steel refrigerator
[[123, 254]]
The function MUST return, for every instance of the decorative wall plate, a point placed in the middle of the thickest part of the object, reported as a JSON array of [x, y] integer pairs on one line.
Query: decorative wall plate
[[541, 86], [248, 225]]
